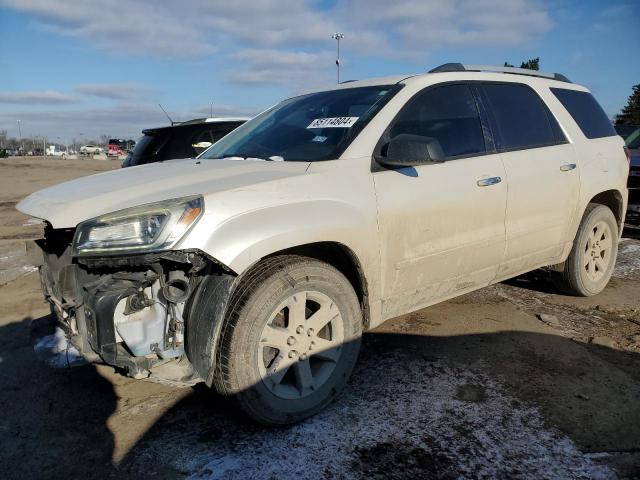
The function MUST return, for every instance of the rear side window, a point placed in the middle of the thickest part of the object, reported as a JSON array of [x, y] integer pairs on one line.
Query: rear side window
[[446, 115], [586, 112], [521, 118]]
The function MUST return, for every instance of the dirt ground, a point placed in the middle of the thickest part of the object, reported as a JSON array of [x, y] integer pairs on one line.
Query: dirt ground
[[513, 381]]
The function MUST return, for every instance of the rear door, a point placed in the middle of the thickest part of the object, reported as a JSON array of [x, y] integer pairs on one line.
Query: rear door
[[441, 225], [543, 175]]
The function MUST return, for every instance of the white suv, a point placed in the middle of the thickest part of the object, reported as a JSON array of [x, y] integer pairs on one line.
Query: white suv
[[91, 150], [256, 267]]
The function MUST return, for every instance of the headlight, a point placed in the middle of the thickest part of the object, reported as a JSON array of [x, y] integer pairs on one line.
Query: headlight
[[147, 228]]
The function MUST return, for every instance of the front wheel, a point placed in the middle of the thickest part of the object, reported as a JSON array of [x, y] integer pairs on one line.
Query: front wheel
[[593, 256], [290, 340]]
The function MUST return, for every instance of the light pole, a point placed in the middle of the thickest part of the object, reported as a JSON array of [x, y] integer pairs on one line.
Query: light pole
[[20, 136], [338, 36]]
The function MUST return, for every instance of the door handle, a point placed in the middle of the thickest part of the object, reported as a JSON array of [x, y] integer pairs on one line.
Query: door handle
[[567, 167], [486, 182]]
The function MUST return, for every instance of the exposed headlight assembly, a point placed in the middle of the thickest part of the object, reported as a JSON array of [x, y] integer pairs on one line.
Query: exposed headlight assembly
[[147, 228]]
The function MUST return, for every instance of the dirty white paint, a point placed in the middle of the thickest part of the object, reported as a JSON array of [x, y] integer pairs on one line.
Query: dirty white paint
[[417, 415], [57, 352]]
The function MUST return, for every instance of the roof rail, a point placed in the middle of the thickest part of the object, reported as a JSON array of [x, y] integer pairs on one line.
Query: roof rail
[[459, 67]]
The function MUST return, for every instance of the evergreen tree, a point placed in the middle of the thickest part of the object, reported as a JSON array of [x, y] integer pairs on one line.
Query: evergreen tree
[[630, 114], [531, 64]]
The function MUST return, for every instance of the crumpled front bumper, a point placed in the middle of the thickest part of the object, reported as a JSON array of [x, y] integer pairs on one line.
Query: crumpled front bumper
[[84, 304], [85, 297]]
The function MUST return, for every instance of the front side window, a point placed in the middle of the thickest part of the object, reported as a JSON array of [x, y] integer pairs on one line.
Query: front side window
[[521, 119], [448, 119], [318, 126]]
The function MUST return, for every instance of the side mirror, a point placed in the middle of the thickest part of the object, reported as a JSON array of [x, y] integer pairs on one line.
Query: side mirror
[[406, 150]]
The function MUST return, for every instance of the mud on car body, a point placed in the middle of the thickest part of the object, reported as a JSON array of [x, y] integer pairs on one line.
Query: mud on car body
[[256, 266]]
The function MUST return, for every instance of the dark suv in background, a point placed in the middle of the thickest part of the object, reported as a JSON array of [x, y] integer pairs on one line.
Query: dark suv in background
[[180, 140], [633, 211]]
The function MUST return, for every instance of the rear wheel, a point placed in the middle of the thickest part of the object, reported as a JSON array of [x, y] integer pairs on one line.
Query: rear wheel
[[290, 341], [593, 256]]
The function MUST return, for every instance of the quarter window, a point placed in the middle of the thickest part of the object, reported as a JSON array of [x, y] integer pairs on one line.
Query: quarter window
[[447, 115], [521, 118], [586, 112]]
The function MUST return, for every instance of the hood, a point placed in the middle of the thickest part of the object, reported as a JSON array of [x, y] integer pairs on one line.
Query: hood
[[69, 203]]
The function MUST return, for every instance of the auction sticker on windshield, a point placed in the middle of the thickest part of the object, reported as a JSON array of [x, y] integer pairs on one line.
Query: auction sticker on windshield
[[333, 122]]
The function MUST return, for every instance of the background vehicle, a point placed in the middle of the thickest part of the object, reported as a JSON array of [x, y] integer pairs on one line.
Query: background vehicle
[[181, 140], [625, 130], [90, 150], [53, 151], [633, 144], [118, 146], [256, 267]]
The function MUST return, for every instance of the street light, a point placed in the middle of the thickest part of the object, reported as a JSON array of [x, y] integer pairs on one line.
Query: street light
[[338, 36], [20, 136]]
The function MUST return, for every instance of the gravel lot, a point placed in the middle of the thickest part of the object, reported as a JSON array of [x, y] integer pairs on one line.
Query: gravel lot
[[513, 381]]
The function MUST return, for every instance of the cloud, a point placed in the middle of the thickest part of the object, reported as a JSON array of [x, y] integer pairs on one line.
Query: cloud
[[126, 120], [37, 97], [373, 27], [112, 91], [131, 28], [428, 25], [299, 70]]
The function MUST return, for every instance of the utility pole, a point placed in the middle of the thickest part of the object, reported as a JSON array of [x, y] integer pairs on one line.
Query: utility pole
[[20, 136], [338, 36]]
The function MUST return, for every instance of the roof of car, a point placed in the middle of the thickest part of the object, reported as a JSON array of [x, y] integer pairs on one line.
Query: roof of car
[[195, 122], [458, 71]]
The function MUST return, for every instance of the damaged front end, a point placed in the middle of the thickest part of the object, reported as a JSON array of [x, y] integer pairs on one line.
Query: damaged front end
[[135, 312]]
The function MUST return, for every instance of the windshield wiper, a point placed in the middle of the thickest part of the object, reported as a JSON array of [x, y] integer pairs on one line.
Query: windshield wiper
[[272, 158]]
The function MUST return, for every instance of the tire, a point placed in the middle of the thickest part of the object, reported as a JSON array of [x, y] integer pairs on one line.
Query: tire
[[290, 340], [593, 256]]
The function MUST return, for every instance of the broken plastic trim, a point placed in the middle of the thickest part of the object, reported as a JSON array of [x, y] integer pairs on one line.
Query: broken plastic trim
[[193, 256]]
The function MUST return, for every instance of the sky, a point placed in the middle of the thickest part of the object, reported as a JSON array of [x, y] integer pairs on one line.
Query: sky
[[82, 69]]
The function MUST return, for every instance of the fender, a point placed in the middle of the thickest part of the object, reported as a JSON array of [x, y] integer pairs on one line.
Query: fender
[[241, 241]]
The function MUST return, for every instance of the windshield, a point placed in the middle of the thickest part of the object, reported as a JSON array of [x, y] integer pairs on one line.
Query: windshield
[[318, 126]]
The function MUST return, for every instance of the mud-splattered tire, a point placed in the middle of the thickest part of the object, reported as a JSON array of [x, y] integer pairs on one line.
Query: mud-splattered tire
[[593, 256], [290, 340]]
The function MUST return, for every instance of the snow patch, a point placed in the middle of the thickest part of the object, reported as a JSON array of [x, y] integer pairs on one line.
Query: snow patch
[[57, 351], [393, 405], [628, 258]]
